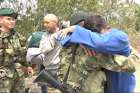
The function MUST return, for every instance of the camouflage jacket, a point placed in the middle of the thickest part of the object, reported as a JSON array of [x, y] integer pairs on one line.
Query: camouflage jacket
[[12, 52], [85, 63], [117, 63], [79, 69], [12, 48]]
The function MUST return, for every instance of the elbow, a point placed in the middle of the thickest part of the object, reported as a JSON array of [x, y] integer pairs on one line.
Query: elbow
[[37, 60]]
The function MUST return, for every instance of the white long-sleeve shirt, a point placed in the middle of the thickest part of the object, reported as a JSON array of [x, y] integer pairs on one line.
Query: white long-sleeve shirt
[[47, 53]]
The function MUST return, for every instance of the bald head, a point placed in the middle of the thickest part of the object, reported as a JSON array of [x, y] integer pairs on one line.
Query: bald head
[[51, 17], [51, 22]]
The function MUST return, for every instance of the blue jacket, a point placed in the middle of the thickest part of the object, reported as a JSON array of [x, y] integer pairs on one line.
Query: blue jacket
[[112, 42]]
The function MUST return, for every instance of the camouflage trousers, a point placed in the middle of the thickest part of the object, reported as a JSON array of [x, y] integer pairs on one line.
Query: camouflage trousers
[[92, 83], [14, 84]]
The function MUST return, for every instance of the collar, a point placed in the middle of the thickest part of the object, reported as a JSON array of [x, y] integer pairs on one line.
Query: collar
[[6, 34]]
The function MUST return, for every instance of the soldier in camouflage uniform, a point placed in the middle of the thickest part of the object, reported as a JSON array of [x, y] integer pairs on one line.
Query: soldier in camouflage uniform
[[44, 50], [12, 54], [82, 78]]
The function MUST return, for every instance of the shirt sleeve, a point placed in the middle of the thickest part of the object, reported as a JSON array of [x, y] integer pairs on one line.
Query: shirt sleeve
[[33, 55], [114, 42]]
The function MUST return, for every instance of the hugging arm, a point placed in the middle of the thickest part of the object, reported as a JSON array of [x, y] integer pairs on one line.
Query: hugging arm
[[110, 43]]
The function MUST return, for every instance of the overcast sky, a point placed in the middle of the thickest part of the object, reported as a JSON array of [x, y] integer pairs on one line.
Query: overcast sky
[[137, 1]]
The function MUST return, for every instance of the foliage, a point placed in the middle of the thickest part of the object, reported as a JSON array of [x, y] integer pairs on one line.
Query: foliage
[[137, 17]]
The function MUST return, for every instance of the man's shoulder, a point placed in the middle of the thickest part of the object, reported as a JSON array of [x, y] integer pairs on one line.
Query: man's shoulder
[[119, 34], [118, 31]]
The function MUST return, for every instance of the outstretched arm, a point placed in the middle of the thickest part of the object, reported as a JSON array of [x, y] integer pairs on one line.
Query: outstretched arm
[[113, 42]]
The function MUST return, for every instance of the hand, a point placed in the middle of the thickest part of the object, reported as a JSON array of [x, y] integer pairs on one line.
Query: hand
[[64, 32], [28, 70]]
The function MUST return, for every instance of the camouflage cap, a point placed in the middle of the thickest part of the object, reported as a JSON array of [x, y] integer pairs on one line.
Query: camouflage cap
[[77, 17], [8, 12]]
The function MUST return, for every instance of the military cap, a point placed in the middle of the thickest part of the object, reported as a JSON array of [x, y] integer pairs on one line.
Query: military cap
[[77, 17], [8, 12]]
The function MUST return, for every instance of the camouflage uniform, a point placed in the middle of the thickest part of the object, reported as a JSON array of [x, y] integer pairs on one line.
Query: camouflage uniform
[[82, 78], [12, 58], [117, 63], [86, 75]]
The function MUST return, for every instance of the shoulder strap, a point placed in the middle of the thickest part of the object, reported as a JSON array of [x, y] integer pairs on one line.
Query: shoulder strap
[[74, 48]]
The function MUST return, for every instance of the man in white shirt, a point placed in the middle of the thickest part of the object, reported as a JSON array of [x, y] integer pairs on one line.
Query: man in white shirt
[[47, 51]]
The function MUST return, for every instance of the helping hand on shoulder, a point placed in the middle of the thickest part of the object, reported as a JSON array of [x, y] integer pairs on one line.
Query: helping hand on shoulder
[[64, 32]]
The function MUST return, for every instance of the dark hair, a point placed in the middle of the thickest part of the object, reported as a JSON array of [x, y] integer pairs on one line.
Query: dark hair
[[95, 23]]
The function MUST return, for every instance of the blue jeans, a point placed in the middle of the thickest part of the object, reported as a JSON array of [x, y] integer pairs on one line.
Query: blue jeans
[[119, 82]]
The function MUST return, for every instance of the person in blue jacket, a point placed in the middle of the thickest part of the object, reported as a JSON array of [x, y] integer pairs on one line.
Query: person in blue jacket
[[103, 39]]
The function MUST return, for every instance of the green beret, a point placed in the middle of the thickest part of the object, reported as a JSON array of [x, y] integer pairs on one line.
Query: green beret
[[8, 12], [76, 17]]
